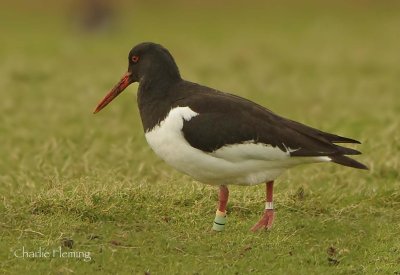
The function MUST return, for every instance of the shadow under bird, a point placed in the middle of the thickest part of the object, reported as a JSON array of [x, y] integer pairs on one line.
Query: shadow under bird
[[219, 138]]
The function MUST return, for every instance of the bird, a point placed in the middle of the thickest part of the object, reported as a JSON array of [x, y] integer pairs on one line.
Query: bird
[[219, 138]]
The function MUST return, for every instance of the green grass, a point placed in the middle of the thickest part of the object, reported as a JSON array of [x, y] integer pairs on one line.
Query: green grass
[[68, 175]]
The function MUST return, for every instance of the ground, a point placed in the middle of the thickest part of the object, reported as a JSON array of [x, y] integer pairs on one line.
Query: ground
[[90, 183]]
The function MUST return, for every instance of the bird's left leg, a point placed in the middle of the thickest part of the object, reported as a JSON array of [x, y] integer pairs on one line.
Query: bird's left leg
[[268, 218], [220, 215]]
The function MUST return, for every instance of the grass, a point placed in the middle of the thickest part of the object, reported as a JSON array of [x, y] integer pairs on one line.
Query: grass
[[91, 183]]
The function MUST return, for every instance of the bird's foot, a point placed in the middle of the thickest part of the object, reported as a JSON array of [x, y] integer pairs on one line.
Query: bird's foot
[[219, 221], [266, 221]]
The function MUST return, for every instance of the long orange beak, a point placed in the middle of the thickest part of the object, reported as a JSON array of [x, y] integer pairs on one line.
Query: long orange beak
[[121, 85]]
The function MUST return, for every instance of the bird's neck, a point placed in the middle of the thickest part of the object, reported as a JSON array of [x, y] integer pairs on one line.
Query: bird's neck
[[154, 100], [158, 82]]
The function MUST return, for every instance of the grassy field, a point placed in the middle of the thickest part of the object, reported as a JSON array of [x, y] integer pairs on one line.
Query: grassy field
[[90, 183]]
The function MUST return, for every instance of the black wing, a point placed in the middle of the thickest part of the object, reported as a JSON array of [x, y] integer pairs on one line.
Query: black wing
[[228, 119]]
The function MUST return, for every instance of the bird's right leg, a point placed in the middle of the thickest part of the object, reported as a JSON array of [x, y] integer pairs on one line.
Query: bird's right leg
[[268, 218]]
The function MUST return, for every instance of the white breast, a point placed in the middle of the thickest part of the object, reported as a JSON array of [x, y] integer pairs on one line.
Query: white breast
[[246, 163]]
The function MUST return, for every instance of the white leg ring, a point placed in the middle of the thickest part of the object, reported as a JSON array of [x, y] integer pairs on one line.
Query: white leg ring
[[269, 205]]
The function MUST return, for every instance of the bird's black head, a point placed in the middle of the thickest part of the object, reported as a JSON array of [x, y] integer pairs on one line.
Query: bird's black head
[[151, 61], [148, 62]]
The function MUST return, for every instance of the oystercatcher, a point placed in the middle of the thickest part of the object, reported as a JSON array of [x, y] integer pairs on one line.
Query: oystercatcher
[[219, 138]]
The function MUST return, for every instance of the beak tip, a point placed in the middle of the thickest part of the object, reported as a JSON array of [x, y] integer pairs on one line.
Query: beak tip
[[96, 111]]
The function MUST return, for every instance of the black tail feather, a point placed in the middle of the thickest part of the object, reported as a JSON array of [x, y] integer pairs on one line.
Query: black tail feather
[[338, 139], [301, 128], [346, 161], [347, 151]]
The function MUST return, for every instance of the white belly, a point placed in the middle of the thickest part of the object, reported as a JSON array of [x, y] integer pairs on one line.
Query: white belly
[[245, 164]]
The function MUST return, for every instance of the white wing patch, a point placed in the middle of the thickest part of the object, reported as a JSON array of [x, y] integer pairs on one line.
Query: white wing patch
[[288, 149], [250, 150]]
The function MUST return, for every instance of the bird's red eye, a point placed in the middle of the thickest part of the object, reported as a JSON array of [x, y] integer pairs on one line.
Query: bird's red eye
[[135, 58]]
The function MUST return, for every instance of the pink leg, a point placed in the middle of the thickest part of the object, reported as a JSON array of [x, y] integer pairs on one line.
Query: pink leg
[[268, 218], [220, 215], [223, 198]]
